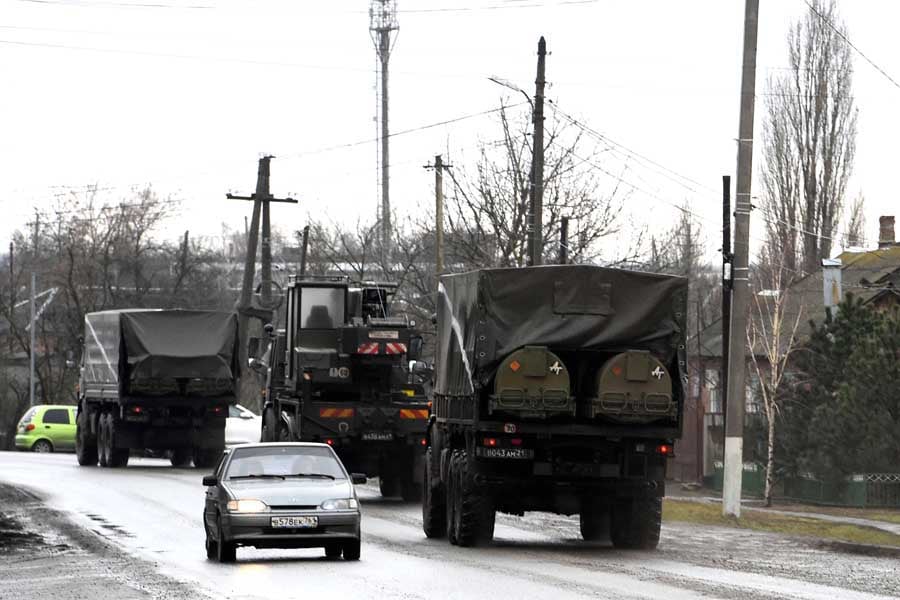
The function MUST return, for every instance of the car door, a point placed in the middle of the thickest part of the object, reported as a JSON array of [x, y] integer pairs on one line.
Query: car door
[[212, 496], [58, 426]]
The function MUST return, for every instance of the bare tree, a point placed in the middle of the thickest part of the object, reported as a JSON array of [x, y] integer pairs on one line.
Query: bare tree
[[772, 337], [487, 209], [809, 139], [855, 223]]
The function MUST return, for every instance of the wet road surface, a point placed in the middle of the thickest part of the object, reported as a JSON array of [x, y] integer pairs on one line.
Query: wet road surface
[[153, 512]]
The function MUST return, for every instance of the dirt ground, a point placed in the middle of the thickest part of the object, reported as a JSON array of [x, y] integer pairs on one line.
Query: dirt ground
[[42, 555]]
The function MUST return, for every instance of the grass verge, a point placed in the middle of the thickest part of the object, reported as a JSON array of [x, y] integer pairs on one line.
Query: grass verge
[[711, 514], [874, 514]]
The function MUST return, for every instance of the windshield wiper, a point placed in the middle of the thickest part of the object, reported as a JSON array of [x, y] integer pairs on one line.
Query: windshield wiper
[[320, 475], [257, 476]]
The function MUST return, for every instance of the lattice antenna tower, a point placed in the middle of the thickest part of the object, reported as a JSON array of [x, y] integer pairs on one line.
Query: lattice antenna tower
[[383, 27]]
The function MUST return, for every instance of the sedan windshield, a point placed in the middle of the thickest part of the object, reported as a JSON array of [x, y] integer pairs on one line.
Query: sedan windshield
[[279, 462]]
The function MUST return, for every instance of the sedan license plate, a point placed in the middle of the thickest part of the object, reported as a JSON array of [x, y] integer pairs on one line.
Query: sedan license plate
[[378, 436], [521, 453], [295, 522]]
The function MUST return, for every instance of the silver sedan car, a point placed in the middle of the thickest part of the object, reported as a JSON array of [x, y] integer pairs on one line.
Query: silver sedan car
[[281, 495]]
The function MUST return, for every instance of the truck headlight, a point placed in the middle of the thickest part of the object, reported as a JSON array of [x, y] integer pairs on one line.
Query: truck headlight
[[340, 504], [247, 506]]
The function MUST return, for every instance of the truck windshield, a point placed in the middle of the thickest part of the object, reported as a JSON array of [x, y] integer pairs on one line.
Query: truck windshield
[[321, 308]]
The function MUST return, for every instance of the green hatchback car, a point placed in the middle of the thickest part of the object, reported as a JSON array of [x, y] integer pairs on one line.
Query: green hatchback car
[[47, 428]]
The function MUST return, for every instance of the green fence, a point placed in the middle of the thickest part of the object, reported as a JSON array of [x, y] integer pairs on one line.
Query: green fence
[[865, 490]]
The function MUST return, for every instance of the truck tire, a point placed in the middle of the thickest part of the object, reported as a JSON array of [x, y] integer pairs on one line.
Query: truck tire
[[103, 440], [118, 457], [475, 509], [434, 502], [269, 426], [181, 458], [594, 519], [205, 458], [636, 523], [85, 443], [388, 485], [452, 513]]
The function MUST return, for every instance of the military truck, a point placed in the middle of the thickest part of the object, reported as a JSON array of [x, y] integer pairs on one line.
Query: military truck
[[336, 374], [557, 388], [158, 381]]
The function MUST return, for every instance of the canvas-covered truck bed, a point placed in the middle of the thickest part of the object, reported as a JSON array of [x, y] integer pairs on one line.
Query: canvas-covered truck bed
[[557, 388], [158, 380]]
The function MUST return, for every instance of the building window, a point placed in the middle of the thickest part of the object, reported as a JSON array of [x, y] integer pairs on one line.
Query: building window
[[713, 391], [753, 403]]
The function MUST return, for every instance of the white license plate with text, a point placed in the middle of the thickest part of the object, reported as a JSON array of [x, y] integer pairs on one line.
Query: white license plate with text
[[295, 522], [521, 453]]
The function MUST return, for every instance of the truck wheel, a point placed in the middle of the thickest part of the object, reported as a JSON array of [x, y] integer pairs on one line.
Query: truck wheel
[[117, 457], [388, 485], [205, 458], [475, 510], [85, 446], [434, 503], [452, 514], [594, 519], [181, 458], [103, 440], [268, 426], [636, 523]]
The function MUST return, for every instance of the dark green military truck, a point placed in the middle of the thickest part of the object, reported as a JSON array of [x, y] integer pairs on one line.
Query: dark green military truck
[[557, 388], [156, 380]]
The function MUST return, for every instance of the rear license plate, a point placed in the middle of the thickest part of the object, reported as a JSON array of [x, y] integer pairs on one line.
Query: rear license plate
[[522, 453], [295, 522], [378, 436]]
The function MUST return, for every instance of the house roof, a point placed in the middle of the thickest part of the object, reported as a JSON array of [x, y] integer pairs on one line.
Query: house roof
[[870, 275]]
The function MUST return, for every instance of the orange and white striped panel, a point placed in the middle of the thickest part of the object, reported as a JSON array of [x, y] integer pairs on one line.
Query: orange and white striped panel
[[395, 348], [336, 413], [413, 413], [367, 348]]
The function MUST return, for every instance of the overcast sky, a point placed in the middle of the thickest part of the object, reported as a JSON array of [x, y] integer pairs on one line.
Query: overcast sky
[[186, 95]]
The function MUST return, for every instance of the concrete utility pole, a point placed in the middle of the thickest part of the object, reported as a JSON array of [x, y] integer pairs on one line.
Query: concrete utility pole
[[382, 25], [734, 428], [12, 288], [536, 222], [261, 200], [726, 286], [438, 167]]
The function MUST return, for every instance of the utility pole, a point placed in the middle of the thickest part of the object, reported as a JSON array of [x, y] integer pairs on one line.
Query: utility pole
[[31, 348], [382, 25], [12, 288], [438, 167], [726, 288], [536, 222], [261, 200], [304, 250], [564, 241], [740, 301]]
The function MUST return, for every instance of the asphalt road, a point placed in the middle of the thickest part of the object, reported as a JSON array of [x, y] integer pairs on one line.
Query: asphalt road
[[153, 513]]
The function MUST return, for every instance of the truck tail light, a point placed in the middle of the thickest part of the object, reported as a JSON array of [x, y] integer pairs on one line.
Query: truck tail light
[[329, 441], [490, 442], [516, 441], [137, 410], [665, 450], [423, 442]]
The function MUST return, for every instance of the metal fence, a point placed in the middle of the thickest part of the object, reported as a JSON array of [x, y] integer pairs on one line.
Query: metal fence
[[863, 490]]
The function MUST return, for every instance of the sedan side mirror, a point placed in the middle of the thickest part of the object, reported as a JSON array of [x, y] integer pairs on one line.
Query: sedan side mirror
[[358, 478], [210, 480]]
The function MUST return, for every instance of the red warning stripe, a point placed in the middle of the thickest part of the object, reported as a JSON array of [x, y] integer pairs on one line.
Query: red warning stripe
[[413, 413], [336, 413], [395, 348], [367, 348]]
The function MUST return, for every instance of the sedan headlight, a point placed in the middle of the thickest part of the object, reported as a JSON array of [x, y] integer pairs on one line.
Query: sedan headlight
[[340, 504], [247, 506]]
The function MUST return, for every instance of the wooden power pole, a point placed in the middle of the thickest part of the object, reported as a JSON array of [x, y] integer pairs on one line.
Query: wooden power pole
[[244, 307], [536, 222], [740, 300]]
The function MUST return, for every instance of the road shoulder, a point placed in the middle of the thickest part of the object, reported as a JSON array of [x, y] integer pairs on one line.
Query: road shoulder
[[44, 555]]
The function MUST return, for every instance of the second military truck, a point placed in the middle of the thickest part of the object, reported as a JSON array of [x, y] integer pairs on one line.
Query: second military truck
[[557, 388], [156, 380], [339, 373]]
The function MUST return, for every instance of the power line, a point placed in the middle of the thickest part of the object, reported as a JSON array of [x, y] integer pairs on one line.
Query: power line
[[849, 43], [101, 3]]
